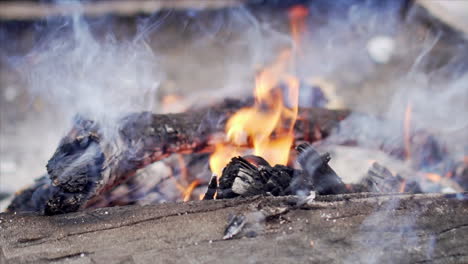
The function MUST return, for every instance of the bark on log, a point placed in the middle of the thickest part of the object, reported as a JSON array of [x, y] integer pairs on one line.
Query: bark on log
[[401, 228], [89, 162]]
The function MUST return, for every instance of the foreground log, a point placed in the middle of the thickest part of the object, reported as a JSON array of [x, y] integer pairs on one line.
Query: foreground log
[[91, 160], [398, 228]]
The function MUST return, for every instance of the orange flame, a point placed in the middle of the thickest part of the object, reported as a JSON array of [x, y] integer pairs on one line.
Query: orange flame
[[297, 18], [264, 123], [183, 183], [269, 123], [221, 156], [188, 191]]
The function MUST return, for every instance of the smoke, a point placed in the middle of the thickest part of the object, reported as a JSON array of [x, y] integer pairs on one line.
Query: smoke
[[396, 239], [99, 79], [425, 72], [77, 69]]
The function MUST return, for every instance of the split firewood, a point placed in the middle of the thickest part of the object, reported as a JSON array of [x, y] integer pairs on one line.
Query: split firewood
[[89, 162]]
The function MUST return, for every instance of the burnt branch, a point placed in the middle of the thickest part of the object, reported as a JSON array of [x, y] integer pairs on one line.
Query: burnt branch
[[379, 179]]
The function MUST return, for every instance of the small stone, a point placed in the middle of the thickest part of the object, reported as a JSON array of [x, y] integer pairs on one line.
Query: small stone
[[381, 48]]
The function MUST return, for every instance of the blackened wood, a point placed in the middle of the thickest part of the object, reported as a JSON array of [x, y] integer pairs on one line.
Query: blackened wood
[[252, 175], [379, 179], [322, 178], [89, 162], [353, 228], [211, 191]]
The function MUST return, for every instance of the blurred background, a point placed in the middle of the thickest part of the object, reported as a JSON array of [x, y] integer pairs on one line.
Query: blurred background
[[103, 58]]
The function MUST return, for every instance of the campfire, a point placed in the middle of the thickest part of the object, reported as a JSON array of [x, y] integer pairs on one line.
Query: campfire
[[286, 138], [248, 141]]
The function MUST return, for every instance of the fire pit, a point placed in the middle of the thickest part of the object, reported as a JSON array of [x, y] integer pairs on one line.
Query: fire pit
[[261, 171]]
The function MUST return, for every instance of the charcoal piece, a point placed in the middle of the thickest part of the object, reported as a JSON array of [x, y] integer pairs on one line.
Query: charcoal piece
[[4, 195], [460, 173], [426, 151], [234, 226], [23, 198], [242, 178], [252, 175], [211, 191], [381, 180], [318, 175], [87, 164]]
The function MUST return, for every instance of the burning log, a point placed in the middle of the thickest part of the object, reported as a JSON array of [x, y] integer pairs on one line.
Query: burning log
[[88, 162]]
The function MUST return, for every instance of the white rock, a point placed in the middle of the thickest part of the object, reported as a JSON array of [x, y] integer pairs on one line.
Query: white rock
[[381, 48]]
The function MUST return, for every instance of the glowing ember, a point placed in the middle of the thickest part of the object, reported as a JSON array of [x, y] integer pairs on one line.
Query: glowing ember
[[188, 191], [402, 186], [183, 183], [434, 177], [172, 103]]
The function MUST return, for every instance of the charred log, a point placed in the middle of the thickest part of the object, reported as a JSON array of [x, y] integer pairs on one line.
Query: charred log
[[89, 162]]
